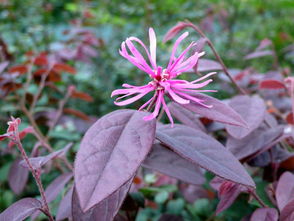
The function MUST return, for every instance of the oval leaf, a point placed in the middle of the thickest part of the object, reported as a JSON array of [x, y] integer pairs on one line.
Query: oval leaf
[[252, 110], [203, 150], [218, 112], [287, 214], [38, 162], [265, 214], [285, 190], [17, 177], [21, 209], [105, 210], [271, 84], [254, 142], [110, 154], [171, 164], [186, 117], [64, 209]]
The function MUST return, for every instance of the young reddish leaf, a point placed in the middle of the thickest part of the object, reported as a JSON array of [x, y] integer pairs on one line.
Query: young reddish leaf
[[186, 117], [288, 164], [103, 211], [22, 135], [227, 192], [171, 164], [252, 110], [20, 210], [40, 72], [61, 67], [17, 177], [174, 31], [54, 77], [38, 162], [3, 65], [81, 95], [290, 118], [41, 59], [271, 84], [110, 153], [265, 214], [64, 210], [285, 190], [204, 151], [207, 65], [21, 69], [54, 189], [218, 112], [254, 142], [76, 113], [287, 213], [258, 54]]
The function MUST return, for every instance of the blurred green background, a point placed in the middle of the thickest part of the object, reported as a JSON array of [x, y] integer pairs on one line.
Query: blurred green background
[[235, 27]]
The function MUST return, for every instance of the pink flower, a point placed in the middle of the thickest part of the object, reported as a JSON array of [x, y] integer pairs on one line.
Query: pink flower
[[163, 80]]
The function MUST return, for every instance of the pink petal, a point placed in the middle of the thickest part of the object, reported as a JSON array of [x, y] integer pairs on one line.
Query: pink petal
[[178, 41], [152, 39], [204, 77], [167, 112], [133, 99], [181, 57], [157, 107], [177, 98], [145, 48], [138, 55], [192, 86], [133, 60]]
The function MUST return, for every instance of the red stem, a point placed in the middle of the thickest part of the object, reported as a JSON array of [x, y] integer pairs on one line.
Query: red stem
[[35, 174]]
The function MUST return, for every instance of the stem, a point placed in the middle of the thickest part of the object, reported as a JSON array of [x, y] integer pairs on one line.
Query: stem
[[35, 174], [40, 89], [59, 112], [197, 29], [258, 199]]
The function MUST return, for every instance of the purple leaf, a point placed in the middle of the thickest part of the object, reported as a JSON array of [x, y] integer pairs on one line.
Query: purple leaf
[[56, 186], [218, 112], [285, 190], [38, 162], [110, 154], [258, 54], [203, 150], [252, 110], [254, 142], [207, 65], [17, 177], [227, 192], [3, 65], [64, 209], [287, 214], [186, 117], [171, 164], [104, 210], [54, 189], [265, 214], [20, 210]]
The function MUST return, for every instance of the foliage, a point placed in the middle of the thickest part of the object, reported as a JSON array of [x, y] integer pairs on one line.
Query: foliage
[[75, 155]]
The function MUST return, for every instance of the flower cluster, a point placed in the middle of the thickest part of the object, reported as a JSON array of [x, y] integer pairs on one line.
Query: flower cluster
[[163, 79]]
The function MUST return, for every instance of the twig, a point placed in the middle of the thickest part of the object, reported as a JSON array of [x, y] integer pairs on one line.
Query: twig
[[59, 112], [258, 199], [197, 29], [40, 89], [36, 174]]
